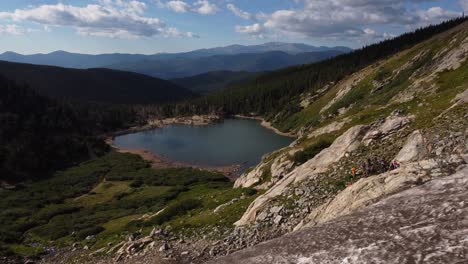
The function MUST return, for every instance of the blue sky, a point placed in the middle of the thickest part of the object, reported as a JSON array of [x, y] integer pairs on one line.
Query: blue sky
[[152, 26]]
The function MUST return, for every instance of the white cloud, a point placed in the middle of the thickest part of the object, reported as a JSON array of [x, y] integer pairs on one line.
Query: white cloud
[[203, 7], [347, 19], [178, 6], [256, 30], [240, 13], [435, 14], [107, 18], [12, 29]]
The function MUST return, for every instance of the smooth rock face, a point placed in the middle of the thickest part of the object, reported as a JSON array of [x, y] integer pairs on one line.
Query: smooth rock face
[[414, 148], [281, 167], [368, 190], [424, 224], [334, 126], [347, 142], [251, 178]]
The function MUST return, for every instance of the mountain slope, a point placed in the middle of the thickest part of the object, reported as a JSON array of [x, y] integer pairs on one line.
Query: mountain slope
[[100, 85], [277, 95], [212, 81]]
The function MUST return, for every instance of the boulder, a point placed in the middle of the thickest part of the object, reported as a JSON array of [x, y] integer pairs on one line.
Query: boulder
[[164, 247], [414, 148], [251, 178]]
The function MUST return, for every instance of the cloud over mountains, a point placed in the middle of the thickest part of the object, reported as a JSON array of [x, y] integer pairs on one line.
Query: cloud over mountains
[[342, 19], [107, 18]]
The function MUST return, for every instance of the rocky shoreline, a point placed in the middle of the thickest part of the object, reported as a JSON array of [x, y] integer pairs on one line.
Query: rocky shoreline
[[196, 120], [267, 125]]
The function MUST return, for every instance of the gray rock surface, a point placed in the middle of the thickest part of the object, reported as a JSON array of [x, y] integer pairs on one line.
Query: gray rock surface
[[425, 224], [414, 148], [369, 190], [392, 124]]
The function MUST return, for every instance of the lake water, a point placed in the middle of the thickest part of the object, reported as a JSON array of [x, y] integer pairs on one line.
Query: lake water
[[234, 141]]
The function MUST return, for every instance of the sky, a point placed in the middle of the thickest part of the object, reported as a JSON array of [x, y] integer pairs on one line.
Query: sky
[[154, 26]]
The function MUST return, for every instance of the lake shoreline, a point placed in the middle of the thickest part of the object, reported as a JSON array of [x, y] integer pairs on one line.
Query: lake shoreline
[[160, 162], [267, 125]]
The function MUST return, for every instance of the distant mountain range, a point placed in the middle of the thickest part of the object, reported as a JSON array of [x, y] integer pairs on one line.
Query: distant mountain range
[[251, 62], [268, 56], [290, 48], [94, 85]]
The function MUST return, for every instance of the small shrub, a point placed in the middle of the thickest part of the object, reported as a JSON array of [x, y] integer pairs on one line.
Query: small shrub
[[50, 211], [138, 182], [250, 191], [311, 151], [90, 231], [176, 209]]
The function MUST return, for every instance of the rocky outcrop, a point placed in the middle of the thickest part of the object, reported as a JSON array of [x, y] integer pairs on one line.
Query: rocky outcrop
[[368, 190], [251, 178], [332, 127], [343, 87], [135, 245], [344, 144], [282, 166], [450, 58], [460, 99], [392, 124], [425, 224], [277, 168], [414, 148]]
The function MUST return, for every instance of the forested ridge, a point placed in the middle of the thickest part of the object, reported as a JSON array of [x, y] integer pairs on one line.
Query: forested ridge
[[39, 135], [94, 85], [276, 95]]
